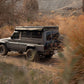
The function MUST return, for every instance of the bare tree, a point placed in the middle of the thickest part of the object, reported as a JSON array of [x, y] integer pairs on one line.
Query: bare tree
[[83, 5], [7, 12], [9, 15], [30, 8]]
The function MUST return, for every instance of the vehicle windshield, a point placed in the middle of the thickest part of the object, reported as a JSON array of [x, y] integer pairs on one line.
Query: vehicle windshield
[[51, 35], [16, 35]]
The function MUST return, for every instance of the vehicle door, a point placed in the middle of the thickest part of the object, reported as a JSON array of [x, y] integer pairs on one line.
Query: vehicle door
[[13, 43], [24, 34]]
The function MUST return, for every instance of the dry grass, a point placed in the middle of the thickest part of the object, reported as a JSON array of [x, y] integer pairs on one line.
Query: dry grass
[[6, 31], [11, 74], [73, 28]]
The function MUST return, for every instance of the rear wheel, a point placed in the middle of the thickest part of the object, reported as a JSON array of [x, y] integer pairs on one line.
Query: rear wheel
[[3, 50], [49, 56], [32, 55]]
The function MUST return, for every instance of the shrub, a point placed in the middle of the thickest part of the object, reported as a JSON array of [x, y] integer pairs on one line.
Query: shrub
[[73, 28]]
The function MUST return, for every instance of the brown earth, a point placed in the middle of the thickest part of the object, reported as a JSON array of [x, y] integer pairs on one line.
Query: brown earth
[[52, 66]]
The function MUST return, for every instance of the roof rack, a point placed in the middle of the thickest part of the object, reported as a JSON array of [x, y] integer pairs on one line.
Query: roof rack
[[35, 27]]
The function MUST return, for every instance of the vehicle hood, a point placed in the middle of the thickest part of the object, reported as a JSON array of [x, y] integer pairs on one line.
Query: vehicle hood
[[5, 39]]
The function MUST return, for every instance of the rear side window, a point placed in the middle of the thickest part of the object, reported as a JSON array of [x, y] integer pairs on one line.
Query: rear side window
[[36, 34], [31, 34]]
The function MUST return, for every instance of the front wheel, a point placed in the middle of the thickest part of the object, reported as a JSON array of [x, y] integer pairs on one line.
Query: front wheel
[[3, 50], [32, 55]]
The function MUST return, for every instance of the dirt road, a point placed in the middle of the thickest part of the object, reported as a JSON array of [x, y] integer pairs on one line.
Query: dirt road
[[53, 66]]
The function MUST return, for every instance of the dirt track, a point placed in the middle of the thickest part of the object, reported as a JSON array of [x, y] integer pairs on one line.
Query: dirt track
[[53, 66]]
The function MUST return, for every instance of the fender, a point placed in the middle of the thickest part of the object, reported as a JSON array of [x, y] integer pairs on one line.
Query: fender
[[29, 47], [2, 42], [35, 46]]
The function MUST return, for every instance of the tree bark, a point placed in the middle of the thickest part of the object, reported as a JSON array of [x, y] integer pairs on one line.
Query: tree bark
[[83, 5]]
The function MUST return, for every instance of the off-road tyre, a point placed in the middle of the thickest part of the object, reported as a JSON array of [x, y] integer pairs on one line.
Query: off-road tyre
[[49, 56], [32, 55], [3, 50]]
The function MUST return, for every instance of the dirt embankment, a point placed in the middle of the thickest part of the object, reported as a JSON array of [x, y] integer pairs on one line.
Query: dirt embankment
[[48, 5]]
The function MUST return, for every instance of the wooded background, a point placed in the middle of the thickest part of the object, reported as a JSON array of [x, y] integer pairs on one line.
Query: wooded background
[[11, 14]]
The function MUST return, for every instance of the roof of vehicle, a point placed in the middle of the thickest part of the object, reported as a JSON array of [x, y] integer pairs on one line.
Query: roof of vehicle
[[31, 28]]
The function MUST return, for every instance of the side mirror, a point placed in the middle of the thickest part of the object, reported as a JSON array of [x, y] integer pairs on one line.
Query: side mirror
[[11, 37]]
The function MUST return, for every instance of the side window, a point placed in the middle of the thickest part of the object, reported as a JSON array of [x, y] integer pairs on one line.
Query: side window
[[26, 34], [31, 34], [36, 34]]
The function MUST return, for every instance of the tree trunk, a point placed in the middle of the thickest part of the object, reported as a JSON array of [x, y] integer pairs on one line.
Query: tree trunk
[[83, 5]]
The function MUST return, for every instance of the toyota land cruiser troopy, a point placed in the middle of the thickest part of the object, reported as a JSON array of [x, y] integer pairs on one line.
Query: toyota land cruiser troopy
[[36, 41]]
